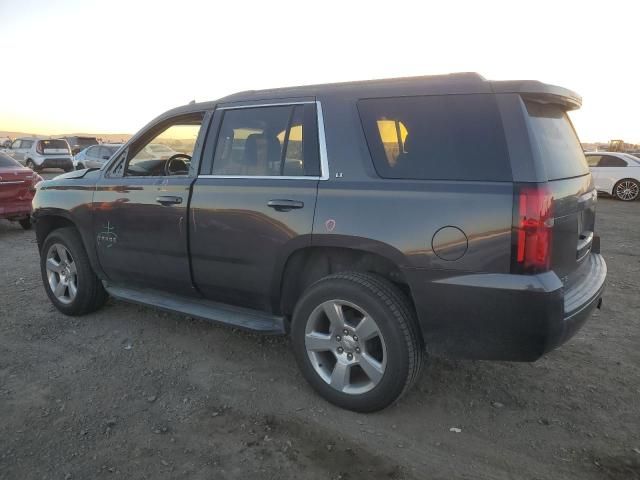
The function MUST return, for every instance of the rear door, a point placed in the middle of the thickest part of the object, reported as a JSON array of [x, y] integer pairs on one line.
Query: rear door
[[557, 150], [254, 201], [610, 169]]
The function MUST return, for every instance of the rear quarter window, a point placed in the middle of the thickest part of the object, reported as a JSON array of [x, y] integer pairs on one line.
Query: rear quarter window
[[555, 142], [441, 137]]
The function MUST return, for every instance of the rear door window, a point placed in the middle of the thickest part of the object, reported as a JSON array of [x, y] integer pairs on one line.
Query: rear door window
[[555, 142], [440, 137]]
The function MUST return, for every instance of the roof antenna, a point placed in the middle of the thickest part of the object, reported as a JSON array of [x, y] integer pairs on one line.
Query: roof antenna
[[192, 102]]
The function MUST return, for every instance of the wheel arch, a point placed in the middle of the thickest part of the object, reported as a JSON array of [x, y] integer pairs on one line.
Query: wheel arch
[[305, 266], [52, 220]]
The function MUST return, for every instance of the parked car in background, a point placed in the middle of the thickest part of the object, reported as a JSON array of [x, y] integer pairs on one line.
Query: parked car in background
[[78, 144], [40, 153], [368, 220], [616, 174], [95, 156], [17, 187], [5, 142]]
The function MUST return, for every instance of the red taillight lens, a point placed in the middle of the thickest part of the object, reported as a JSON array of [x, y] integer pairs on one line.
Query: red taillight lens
[[533, 227], [39, 148]]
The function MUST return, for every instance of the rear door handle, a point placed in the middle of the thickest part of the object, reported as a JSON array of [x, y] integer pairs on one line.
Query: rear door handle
[[169, 200], [285, 205]]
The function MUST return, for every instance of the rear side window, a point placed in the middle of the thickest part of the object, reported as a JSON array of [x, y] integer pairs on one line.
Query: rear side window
[[555, 142], [26, 144], [443, 137], [593, 160]]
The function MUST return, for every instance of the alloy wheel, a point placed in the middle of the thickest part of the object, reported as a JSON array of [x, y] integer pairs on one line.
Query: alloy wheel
[[345, 346], [61, 273], [627, 190]]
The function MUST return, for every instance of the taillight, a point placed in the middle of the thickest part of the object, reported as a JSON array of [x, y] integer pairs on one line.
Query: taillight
[[39, 148], [532, 229]]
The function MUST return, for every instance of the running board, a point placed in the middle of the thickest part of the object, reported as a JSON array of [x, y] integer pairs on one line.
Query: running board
[[238, 317]]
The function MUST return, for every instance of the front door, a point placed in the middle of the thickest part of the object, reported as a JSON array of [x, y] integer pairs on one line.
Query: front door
[[140, 207], [254, 201]]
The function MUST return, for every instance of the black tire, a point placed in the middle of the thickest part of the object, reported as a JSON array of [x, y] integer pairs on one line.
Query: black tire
[[90, 294], [25, 223], [627, 194], [31, 164], [397, 325]]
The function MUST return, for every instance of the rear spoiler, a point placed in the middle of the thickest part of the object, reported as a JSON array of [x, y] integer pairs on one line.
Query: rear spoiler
[[540, 92]]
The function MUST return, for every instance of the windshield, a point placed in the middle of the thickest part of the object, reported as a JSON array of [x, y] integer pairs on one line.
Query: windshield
[[7, 161], [112, 150], [555, 142]]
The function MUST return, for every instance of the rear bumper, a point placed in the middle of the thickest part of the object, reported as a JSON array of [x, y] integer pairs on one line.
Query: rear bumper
[[16, 210], [504, 316], [64, 163]]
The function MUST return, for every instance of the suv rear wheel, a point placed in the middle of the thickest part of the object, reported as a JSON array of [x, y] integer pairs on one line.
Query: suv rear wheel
[[31, 164], [356, 341], [68, 278]]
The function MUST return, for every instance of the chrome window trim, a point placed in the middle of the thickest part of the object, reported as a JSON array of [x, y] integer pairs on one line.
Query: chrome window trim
[[322, 145]]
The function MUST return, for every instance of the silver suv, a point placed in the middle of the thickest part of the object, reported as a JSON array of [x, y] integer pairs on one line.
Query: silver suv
[[38, 153]]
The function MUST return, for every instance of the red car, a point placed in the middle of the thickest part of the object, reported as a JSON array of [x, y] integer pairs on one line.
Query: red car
[[17, 186]]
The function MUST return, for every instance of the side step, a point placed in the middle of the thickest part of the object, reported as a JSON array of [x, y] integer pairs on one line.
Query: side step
[[238, 317]]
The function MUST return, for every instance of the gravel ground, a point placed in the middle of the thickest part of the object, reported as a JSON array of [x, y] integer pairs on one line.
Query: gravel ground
[[130, 392]]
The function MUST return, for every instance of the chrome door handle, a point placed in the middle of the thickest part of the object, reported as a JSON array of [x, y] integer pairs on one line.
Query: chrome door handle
[[285, 205], [169, 200]]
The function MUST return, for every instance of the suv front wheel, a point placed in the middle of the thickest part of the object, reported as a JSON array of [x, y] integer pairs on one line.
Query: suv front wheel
[[67, 275], [356, 340]]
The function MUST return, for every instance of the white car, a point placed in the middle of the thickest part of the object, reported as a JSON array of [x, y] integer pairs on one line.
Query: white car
[[616, 174], [39, 153]]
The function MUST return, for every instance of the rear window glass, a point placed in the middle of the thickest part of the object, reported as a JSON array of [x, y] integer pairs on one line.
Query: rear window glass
[[86, 141], [7, 161], [54, 144], [555, 142], [443, 137]]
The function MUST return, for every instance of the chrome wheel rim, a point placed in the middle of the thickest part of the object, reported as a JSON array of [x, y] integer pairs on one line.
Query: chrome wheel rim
[[627, 190], [61, 273], [345, 347]]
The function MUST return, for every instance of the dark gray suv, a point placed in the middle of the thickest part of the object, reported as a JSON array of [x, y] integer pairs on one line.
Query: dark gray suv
[[372, 221]]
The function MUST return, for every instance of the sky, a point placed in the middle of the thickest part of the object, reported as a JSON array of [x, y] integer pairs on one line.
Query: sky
[[111, 66]]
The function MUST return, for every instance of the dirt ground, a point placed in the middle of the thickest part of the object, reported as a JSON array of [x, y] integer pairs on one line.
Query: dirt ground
[[129, 392]]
